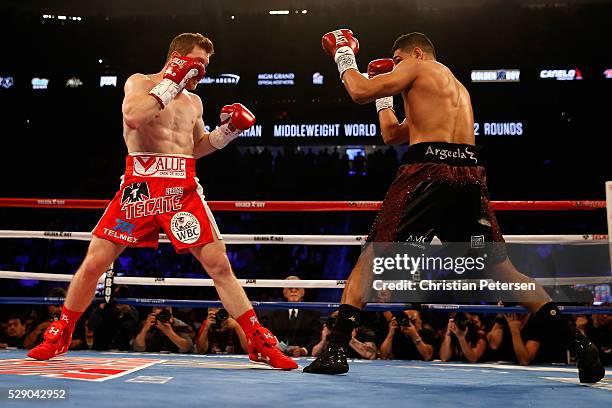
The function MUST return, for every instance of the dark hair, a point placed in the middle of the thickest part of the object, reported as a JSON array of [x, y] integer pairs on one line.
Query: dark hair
[[184, 44], [58, 292], [408, 41], [21, 318]]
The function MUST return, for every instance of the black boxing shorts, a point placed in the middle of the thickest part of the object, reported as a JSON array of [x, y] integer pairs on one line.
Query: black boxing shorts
[[440, 190]]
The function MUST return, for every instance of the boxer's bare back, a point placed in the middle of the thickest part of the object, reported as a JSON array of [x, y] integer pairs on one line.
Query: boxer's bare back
[[437, 106]]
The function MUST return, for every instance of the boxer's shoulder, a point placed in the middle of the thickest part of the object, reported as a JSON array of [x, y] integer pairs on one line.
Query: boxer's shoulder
[[194, 99], [136, 81]]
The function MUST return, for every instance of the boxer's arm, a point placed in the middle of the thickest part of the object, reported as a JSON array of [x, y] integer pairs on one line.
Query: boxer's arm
[[139, 108], [363, 90], [393, 132], [201, 144]]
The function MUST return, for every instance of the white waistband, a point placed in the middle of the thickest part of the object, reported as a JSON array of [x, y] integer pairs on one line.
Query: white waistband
[[188, 156]]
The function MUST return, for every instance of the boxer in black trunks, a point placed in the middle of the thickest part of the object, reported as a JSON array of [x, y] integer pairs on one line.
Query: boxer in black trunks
[[441, 190]]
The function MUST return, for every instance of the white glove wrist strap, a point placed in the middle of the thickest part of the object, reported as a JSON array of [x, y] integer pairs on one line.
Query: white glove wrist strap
[[165, 91], [384, 103], [221, 136], [345, 58]]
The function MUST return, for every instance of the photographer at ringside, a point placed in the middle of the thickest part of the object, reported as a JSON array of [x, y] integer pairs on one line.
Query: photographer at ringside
[[220, 333], [407, 339], [112, 325], [465, 340], [161, 331], [361, 345]]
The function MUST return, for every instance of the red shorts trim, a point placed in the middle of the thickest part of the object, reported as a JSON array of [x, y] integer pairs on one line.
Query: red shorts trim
[[158, 192]]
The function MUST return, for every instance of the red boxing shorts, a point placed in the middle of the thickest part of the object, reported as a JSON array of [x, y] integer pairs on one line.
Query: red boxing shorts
[[158, 191]]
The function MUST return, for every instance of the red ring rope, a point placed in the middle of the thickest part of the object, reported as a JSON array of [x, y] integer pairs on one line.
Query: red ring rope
[[300, 206]]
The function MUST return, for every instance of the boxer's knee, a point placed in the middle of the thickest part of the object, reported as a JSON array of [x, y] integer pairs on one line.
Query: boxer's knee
[[92, 267], [217, 265], [100, 255]]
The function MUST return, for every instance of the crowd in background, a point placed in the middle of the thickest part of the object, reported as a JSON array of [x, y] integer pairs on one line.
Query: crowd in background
[[406, 335]]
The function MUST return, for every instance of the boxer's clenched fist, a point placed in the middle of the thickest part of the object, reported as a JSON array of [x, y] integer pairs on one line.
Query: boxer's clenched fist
[[235, 119], [377, 67], [342, 46], [177, 73], [380, 66]]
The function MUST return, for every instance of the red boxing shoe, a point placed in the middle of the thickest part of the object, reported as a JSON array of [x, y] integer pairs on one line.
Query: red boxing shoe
[[57, 339], [263, 350]]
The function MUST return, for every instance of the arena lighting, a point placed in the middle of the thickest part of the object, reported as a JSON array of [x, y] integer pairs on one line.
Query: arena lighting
[[278, 12]]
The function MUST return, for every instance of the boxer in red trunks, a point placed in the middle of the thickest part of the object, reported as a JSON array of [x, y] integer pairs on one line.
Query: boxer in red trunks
[[440, 190], [164, 133]]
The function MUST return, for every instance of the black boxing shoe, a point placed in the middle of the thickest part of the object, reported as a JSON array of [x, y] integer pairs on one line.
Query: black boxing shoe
[[331, 361], [590, 369]]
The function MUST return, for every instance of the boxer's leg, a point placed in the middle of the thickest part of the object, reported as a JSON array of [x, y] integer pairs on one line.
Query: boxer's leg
[[100, 255], [262, 343], [408, 213], [475, 216], [214, 259], [57, 337]]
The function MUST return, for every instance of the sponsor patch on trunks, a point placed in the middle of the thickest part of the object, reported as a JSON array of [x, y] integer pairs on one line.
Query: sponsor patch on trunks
[[160, 166], [185, 227]]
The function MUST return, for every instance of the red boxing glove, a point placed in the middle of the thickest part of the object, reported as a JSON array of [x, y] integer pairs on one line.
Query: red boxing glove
[[380, 66], [377, 67], [177, 73], [342, 46], [235, 119]]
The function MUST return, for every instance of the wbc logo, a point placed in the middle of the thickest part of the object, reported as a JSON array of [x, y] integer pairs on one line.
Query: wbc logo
[[185, 227]]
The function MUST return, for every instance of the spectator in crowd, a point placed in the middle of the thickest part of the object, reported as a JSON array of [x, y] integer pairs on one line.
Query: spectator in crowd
[[220, 333], [41, 319], [407, 339], [524, 340], [15, 333], [464, 339], [113, 325], [297, 329], [161, 331], [361, 345], [599, 329]]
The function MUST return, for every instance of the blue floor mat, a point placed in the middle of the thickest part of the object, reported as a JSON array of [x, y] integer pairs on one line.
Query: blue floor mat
[[98, 379]]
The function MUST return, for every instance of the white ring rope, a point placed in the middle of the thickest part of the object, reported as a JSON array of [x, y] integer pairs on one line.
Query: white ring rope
[[241, 239], [263, 283], [279, 240]]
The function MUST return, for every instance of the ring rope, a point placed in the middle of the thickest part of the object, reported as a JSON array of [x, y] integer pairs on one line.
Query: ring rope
[[485, 309], [264, 283], [295, 206], [277, 239]]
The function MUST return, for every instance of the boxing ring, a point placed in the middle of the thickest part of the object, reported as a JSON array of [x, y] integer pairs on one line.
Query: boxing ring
[[145, 379]]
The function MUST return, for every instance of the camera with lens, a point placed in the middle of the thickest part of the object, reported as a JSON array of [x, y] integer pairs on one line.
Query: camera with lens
[[330, 322], [403, 320], [463, 322], [164, 316], [220, 317]]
